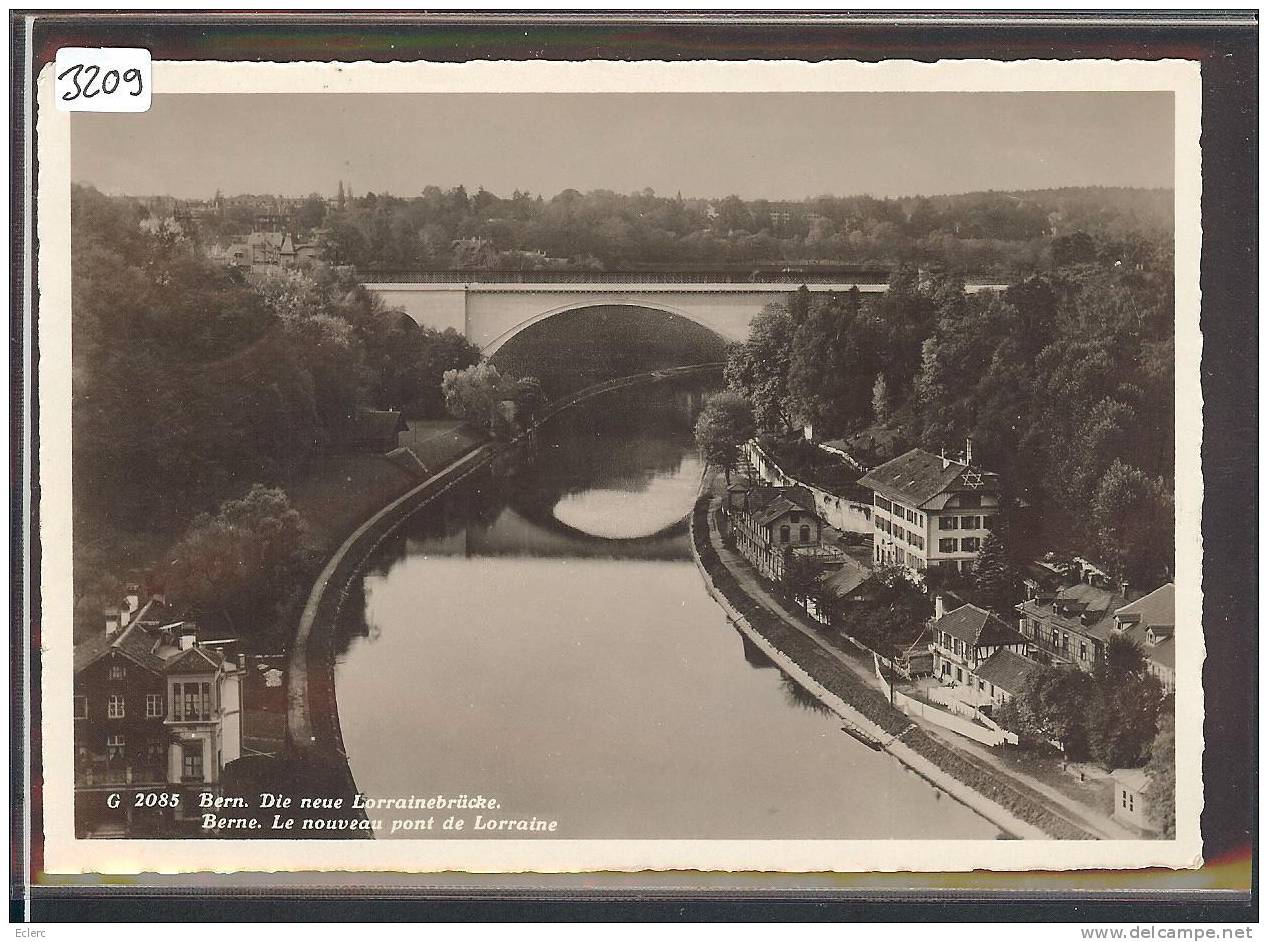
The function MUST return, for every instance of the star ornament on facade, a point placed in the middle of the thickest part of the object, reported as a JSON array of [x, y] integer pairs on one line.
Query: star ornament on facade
[[972, 479]]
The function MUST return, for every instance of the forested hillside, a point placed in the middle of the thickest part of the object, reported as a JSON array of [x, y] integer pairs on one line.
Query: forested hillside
[[1064, 382], [192, 382]]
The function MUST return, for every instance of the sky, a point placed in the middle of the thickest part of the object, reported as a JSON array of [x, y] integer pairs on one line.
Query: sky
[[755, 145]]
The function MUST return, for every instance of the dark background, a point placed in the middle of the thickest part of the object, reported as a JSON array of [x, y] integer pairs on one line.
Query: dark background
[[1228, 50]]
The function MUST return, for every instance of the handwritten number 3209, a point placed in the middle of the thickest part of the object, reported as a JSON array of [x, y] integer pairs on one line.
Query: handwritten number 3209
[[109, 81]]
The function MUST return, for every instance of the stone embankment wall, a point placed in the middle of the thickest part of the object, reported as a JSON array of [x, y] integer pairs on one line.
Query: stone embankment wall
[[1012, 806]]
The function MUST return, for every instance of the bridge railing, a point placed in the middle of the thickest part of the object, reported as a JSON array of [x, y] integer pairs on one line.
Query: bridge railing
[[790, 277]]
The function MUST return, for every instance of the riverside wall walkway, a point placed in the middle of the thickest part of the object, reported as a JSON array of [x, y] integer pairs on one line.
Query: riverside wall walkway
[[312, 710], [845, 689]]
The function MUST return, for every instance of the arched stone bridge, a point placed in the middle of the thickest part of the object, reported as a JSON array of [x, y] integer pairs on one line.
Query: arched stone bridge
[[491, 312]]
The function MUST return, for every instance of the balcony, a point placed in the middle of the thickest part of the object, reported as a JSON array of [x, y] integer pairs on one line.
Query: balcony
[[98, 770]]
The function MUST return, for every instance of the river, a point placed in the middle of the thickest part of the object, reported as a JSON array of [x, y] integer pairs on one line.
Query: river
[[541, 635]]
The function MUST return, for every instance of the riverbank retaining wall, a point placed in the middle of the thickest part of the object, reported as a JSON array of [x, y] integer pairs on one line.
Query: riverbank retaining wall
[[1013, 807], [310, 666]]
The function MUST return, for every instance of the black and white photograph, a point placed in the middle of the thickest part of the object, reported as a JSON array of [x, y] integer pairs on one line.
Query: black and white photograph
[[792, 470]]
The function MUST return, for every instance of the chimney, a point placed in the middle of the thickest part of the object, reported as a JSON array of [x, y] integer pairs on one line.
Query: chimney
[[938, 610], [133, 597], [945, 460], [187, 641], [113, 620], [968, 451]]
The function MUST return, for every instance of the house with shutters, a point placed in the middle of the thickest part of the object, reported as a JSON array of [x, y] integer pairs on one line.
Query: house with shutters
[[766, 522], [155, 709], [966, 640], [1150, 622], [931, 510], [1071, 625]]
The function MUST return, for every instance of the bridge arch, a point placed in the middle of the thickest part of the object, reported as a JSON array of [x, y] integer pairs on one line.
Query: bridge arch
[[494, 345]]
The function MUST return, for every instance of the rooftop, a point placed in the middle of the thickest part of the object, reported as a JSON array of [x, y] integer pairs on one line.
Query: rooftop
[[1006, 670], [977, 627], [918, 476]]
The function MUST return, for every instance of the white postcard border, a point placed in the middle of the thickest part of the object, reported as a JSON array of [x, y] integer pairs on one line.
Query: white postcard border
[[63, 853]]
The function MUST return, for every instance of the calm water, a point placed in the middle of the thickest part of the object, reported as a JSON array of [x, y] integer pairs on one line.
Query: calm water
[[542, 636]]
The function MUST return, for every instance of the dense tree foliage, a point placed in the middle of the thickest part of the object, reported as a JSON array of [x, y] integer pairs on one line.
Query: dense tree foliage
[[249, 560], [1160, 793], [1110, 716], [724, 424], [1064, 381], [191, 381], [759, 366], [987, 233], [488, 400]]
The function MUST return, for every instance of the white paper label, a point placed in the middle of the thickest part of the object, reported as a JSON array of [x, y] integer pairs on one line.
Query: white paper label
[[102, 79]]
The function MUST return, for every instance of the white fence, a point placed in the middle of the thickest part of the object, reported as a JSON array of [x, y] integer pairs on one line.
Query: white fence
[[991, 735], [846, 515]]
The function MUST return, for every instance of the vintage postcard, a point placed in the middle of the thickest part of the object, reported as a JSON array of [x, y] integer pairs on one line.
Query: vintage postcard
[[562, 467]]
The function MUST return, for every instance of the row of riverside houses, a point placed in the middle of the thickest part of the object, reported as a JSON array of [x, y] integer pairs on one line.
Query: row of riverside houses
[[770, 524], [933, 512], [157, 710]]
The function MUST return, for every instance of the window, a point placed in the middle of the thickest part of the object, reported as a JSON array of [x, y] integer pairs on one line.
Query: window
[[970, 544], [911, 516], [970, 523], [114, 747], [114, 707], [81, 708], [192, 762], [948, 523], [155, 752], [883, 504], [804, 534], [918, 541], [117, 672], [1082, 651], [153, 705], [784, 534], [191, 701], [948, 546]]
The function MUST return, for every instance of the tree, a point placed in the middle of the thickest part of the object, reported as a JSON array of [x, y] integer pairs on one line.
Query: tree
[[724, 424], [995, 575], [1160, 793], [472, 393], [802, 578], [1053, 701], [758, 368], [880, 400], [1123, 720], [251, 560], [1135, 524], [832, 365]]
